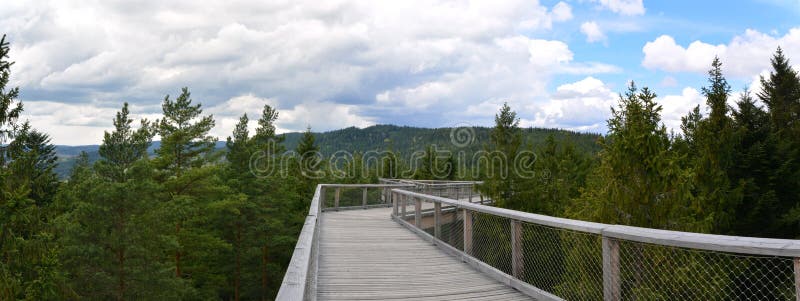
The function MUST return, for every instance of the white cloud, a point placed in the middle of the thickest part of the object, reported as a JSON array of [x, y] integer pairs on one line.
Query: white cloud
[[327, 64], [562, 12], [676, 106], [592, 32], [668, 81], [583, 105], [744, 56], [623, 7]]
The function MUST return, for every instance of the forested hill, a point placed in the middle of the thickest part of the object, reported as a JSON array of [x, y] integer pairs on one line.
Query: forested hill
[[402, 139], [405, 139]]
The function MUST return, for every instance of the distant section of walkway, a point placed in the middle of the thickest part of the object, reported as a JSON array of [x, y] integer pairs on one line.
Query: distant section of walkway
[[365, 255]]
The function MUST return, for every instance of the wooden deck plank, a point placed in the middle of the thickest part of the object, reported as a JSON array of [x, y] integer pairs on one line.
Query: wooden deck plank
[[364, 255]]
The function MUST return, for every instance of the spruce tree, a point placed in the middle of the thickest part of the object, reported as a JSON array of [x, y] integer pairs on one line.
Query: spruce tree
[[712, 154], [781, 93], [505, 141], [638, 181], [29, 267], [308, 151]]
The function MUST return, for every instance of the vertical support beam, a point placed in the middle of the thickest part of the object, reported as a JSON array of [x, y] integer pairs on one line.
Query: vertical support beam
[[437, 220], [470, 194], [467, 231], [611, 276], [364, 197], [418, 212], [517, 262], [405, 202], [796, 262], [458, 195], [336, 198], [395, 204], [322, 198]]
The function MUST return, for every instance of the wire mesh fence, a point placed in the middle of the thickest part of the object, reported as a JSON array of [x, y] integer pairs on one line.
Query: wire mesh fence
[[354, 196], [563, 262], [569, 263], [656, 272]]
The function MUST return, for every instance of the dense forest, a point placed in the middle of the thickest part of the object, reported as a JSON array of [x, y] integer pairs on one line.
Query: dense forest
[[403, 140], [190, 219]]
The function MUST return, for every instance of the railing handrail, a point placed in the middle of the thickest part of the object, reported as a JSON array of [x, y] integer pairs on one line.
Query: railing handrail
[[299, 276], [709, 242], [364, 185], [432, 182]]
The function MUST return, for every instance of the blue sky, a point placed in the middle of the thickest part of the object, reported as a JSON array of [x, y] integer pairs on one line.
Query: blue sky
[[344, 63]]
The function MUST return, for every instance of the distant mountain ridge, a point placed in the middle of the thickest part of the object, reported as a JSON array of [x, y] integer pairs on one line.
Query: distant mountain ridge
[[402, 139]]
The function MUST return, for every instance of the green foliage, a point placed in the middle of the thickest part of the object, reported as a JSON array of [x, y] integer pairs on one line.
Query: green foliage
[[639, 180]]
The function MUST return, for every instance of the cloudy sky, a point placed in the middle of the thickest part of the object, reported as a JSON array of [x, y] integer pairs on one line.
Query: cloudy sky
[[333, 64]]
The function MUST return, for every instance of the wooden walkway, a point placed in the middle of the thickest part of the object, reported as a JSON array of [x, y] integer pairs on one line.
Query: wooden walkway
[[364, 255]]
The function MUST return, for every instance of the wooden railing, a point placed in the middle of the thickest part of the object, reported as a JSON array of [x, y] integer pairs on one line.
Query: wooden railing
[[610, 262]]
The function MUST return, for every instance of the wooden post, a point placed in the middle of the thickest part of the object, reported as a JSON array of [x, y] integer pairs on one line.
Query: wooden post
[[364, 198], [467, 231], [517, 263], [458, 195], [403, 208], [418, 213], [796, 261], [611, 276], [394, 204], [336, 198], [322, 198], [437, 220], [470, 195]]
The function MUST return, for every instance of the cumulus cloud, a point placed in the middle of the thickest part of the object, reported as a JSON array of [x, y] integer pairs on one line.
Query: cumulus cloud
[[592, 32], [744, 56], [327, 64], [562, 12], [676, 106], [583, 106], [623, 7]]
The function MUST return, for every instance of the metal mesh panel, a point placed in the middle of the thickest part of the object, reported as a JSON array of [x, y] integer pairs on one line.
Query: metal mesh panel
[[452, 227], [563, 262], [650, 272], [491, 240]]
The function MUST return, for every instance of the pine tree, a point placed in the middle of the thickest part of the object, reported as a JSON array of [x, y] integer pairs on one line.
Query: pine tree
[[112, 235], [195, 194]]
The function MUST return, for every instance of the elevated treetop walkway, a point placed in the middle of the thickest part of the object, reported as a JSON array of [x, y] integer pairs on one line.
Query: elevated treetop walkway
[[439, 240]]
